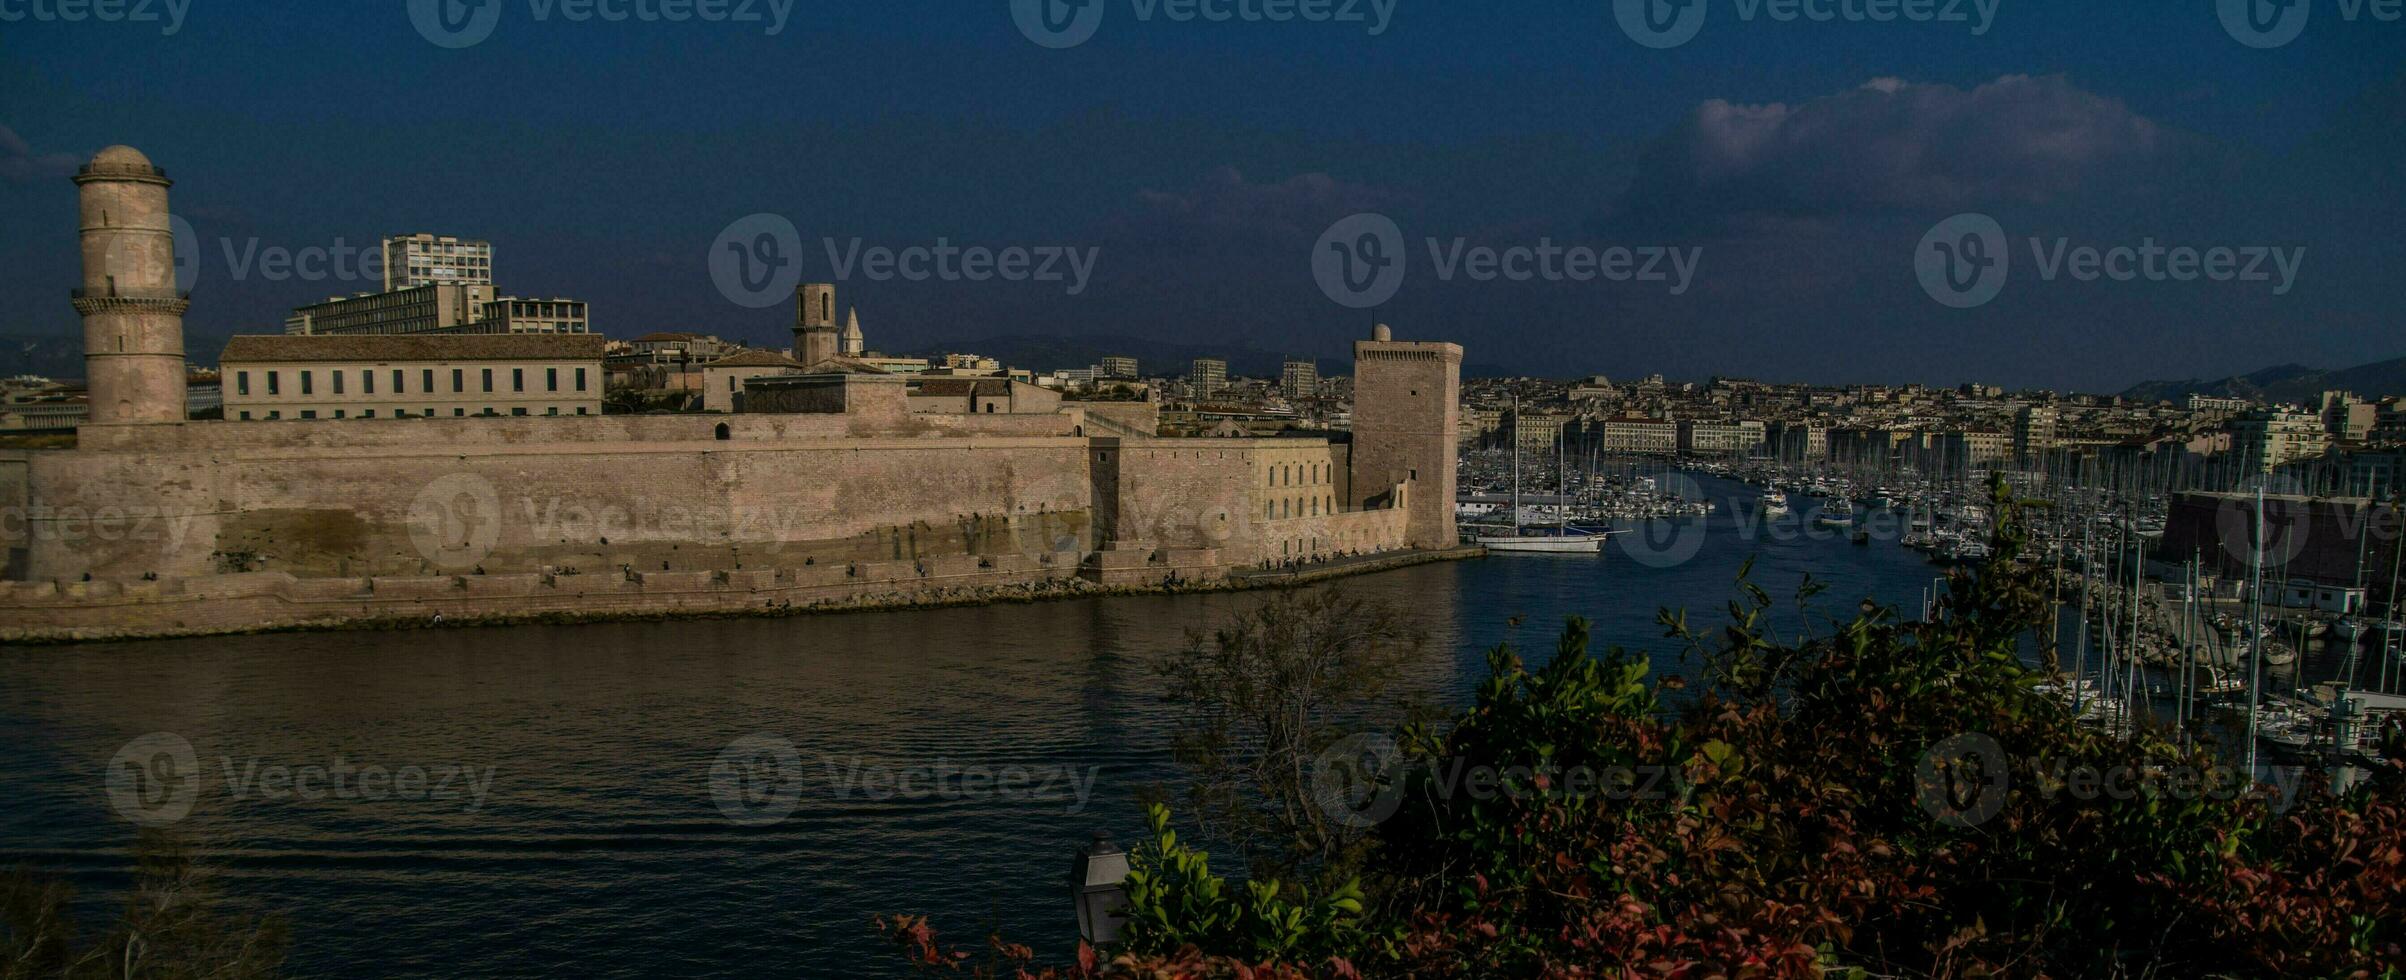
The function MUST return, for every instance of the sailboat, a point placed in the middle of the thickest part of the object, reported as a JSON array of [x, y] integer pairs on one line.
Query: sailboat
[[1556, 539]]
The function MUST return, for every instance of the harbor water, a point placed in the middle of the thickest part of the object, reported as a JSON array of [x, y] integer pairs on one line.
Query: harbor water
[[566, 815]]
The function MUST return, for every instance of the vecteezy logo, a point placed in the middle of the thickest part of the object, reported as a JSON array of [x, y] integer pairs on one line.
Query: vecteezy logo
[[1660, 24], [1964, 261], [455, 521], [757, 780], [2287, 523], [153, 780], [757, 261], [1961, 781], [1669, 541], [1058, 23], [1359, 261], [2265, 24], [187, 252], [455, 23], [1355, 783]]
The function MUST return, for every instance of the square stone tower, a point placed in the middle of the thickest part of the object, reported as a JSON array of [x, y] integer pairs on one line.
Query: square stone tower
[[816, 337], [1407, 414]]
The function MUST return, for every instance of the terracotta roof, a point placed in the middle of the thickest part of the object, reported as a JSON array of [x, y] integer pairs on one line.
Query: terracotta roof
[[416, 347], [754, 358]]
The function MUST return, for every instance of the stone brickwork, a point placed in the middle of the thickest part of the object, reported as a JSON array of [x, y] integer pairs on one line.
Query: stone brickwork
[[433, 507], [133, 314], [1406, 429]]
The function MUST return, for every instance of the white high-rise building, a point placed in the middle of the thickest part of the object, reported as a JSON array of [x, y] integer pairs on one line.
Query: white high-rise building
[[423, 259]]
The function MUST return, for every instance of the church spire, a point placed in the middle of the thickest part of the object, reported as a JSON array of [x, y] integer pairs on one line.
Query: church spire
[[854, 344]]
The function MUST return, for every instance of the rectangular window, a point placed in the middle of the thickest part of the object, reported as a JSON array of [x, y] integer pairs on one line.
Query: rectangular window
[[398, 387], [458, 412], [369, 414], [367, 381], [580, 379], [271, 383], [425, 378], [308, 413], [456, 387], [517, 379], [307, 388], [337, 376], [554, 410], [580, 410], [242, 383], [518, 411], [275, 414], [246, 416], [551, 379], [488, 380], [338, 413]]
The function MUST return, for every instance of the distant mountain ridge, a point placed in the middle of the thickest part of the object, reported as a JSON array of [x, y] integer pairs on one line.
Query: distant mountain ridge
[[2286, 383]]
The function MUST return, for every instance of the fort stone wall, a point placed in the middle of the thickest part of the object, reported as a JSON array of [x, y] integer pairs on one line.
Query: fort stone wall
[[507, 506]]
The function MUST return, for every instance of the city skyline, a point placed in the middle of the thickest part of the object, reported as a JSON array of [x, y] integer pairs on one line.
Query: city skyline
[[1802, 193]]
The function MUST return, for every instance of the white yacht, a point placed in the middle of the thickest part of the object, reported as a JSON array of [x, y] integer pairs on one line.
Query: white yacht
[[1774, 504]]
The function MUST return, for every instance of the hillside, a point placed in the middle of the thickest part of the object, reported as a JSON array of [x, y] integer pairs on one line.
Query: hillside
[[2286, 383]]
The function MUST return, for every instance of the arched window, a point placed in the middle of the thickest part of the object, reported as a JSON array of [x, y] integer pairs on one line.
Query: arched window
[[722, 432]]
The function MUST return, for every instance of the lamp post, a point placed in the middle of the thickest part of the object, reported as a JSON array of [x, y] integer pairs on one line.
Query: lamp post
[[1098, 884]]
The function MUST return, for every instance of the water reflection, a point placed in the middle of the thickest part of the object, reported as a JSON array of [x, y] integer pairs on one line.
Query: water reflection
[[600, 849]]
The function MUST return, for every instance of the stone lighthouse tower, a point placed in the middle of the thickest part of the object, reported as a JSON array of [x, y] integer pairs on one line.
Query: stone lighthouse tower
[[133, 316]]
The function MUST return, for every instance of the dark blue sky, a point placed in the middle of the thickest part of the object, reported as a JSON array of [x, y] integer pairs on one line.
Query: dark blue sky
[[1203, 161]]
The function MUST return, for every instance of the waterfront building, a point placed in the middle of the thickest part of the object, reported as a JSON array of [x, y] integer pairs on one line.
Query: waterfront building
[[509, 314], [1720, 438], [2208, 403], [1299, 379], [2266, 439], [272, 377], [1206, 376], [437, 284], [1968, 450], [440, 307], [677, 347], [2347, 418], [899, 365], [417, 260], [2034, 428], [1537, 430], [1632, 434]]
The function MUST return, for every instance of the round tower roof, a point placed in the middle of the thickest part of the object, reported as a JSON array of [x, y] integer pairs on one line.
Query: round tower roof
[[121, 155]]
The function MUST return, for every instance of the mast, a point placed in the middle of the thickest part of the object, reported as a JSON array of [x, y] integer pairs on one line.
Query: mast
[[2255, 627], [1516, 424], [2080, 646]]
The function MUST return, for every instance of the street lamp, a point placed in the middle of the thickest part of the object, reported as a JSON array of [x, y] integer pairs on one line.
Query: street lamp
[[1097, 882]]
